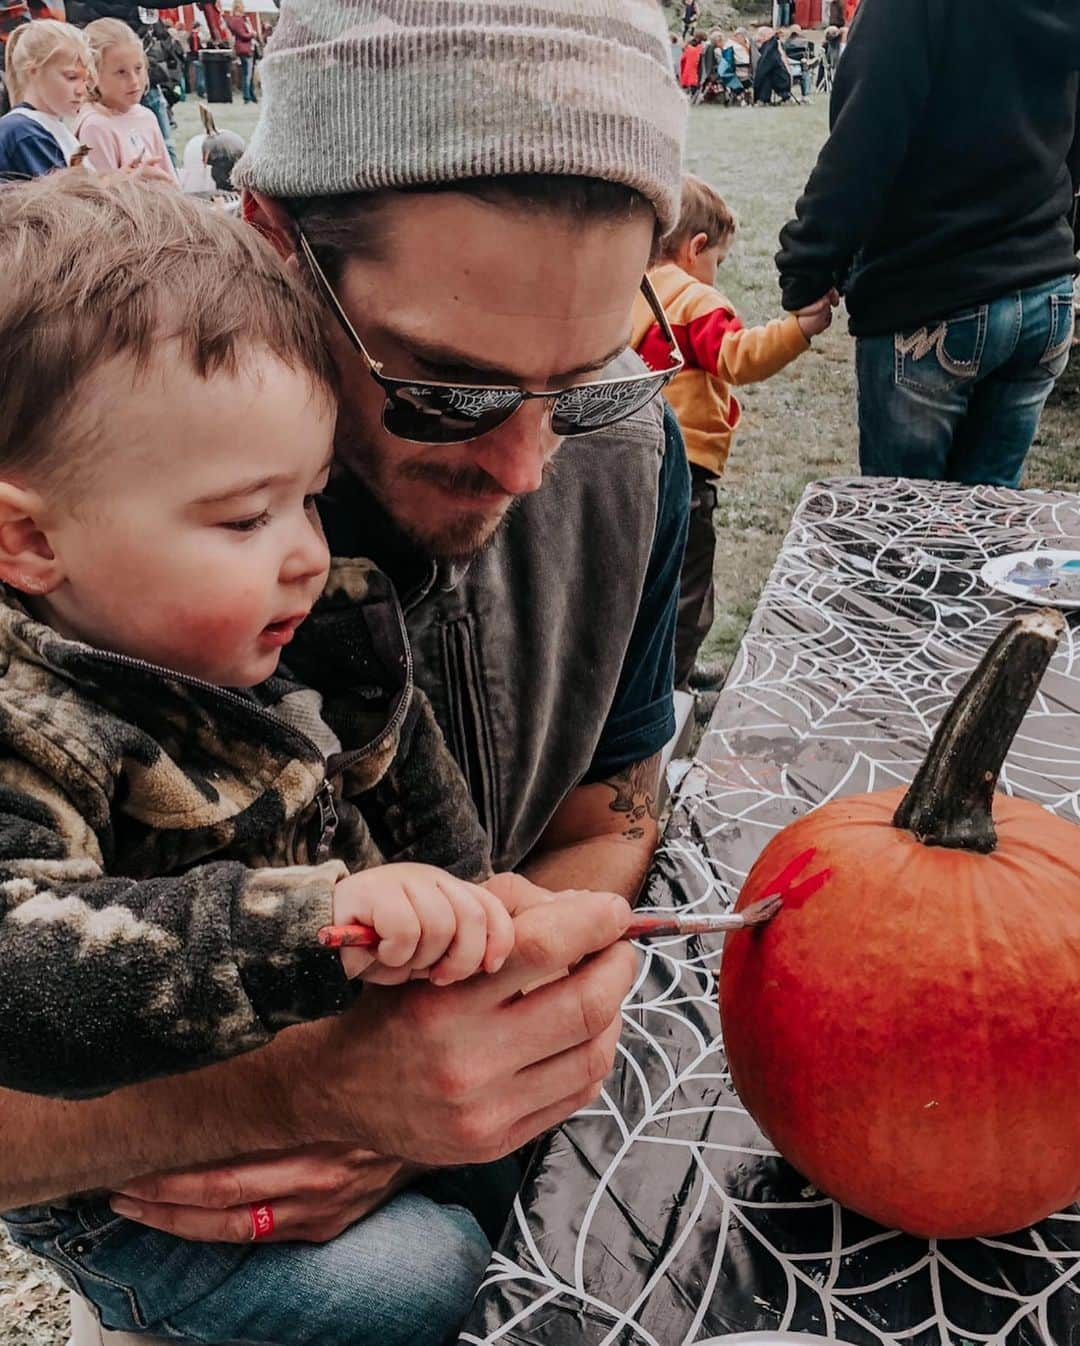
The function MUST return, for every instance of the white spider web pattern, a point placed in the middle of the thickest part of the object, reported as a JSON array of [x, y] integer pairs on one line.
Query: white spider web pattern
[[663, 1215]]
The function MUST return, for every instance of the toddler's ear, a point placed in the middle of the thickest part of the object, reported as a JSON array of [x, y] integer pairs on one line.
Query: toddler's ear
[[27, 561]]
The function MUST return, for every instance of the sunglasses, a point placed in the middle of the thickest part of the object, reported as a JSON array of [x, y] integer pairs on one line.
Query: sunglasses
[[426, 412]]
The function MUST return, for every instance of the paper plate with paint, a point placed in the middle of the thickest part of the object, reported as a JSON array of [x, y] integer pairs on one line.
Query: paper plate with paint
[[1051, 577]]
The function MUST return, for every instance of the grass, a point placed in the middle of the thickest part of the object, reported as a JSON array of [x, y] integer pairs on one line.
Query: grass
[[236, 116], [796, 428]]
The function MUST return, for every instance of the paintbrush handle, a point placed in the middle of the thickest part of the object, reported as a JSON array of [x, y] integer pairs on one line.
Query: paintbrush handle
[[348, 936], [643, 927]]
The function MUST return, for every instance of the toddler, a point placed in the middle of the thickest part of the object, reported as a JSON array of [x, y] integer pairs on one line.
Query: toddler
[[117, 130], [47, 67], [719, 352], [179, 815]]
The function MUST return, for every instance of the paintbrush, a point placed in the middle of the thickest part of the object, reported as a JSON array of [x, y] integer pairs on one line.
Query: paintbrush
[[642, 927]]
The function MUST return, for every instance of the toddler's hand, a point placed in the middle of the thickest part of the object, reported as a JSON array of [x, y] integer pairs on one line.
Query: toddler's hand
[[429, 923], [813, 322]]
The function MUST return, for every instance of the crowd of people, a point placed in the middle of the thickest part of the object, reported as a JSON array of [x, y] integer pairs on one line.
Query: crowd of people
[[115, 80], [342, 590], [172, 52], [743, 69]]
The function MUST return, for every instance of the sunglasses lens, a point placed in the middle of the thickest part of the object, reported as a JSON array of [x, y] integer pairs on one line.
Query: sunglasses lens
[[428, 414], [594, 406]]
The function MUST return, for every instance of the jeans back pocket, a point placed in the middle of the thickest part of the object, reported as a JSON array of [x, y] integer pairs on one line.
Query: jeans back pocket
[[939, 355], [1059, 342]]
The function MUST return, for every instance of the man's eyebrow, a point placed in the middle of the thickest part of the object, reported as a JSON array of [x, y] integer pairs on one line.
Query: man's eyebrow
[[253, 485], [455, 364]]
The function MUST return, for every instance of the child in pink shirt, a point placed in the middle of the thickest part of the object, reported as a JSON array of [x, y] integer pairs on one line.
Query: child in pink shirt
[[118, 132]]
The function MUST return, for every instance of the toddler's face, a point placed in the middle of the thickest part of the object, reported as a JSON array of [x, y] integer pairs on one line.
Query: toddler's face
[[707, 262], [196, 545]]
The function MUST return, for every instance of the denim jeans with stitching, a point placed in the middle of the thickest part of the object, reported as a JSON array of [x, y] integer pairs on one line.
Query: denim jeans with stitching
[[960, 399], [247, 78], [404, 1276], [154, 99]]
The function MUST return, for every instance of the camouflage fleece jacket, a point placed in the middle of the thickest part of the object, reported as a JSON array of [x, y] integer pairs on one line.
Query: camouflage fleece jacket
[[168, 849]]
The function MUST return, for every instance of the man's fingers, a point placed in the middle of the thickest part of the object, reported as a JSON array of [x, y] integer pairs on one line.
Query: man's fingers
[[582, 1067], [557, 935], [293, 1220], [536, 1123], [575, 1009], [517, 893], [225, 1185]]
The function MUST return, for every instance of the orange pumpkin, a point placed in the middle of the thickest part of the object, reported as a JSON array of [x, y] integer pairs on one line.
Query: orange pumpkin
[[907, 1030]]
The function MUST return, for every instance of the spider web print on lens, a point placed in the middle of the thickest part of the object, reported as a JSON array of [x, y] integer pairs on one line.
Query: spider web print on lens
[[662, 1216]]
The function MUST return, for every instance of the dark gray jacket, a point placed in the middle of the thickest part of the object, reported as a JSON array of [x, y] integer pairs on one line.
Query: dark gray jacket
[[522, 650]]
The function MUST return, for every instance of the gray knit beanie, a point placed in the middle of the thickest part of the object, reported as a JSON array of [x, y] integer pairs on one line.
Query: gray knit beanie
[[364, 94]]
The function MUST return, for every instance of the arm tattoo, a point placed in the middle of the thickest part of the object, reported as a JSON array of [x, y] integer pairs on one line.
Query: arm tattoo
[[635, 795]]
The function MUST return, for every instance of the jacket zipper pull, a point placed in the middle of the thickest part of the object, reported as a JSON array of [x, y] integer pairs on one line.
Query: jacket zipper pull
[[328, 821]]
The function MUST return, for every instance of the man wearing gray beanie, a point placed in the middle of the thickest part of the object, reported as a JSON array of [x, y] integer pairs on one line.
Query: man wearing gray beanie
[[474, 188]]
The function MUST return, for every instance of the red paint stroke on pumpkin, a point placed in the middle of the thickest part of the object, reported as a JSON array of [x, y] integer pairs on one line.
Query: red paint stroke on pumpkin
[[802, 892], [796, 894]]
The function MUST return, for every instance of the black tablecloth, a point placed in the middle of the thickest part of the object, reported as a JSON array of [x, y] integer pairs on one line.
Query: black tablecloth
[[663, 1216]]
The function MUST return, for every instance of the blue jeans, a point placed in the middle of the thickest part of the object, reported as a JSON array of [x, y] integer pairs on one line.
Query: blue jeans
[[783, 13], [247, 73], [154, 99], [960, 400], [405, 1276]]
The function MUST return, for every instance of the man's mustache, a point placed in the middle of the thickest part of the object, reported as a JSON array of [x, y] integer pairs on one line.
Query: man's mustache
[[467, 480]]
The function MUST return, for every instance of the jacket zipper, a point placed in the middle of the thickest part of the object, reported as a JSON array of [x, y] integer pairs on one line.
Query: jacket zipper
[[324, 797], [471, 729]]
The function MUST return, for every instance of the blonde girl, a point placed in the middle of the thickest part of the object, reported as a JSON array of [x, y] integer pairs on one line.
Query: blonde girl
[[47, 68], [116, 129]]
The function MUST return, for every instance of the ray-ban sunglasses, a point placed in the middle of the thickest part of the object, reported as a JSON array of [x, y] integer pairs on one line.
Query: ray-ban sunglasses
[[426, 412]]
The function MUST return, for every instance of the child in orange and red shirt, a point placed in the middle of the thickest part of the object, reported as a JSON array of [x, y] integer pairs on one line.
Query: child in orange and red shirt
[[719, 352]]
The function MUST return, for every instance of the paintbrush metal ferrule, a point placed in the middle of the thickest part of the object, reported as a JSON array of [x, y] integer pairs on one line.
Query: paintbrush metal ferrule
[[683, 927]]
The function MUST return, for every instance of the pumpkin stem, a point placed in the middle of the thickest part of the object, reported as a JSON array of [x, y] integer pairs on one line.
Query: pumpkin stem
[[950, 802]]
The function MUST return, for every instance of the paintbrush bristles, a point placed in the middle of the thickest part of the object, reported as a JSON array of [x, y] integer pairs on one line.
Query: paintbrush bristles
[[762, 911]]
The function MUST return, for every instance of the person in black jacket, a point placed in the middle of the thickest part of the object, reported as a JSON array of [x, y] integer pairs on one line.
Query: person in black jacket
[[940, 206], [771, 75], [82, 12], [1074, 170]]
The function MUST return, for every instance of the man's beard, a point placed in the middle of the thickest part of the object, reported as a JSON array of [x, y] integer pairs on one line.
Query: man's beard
[[453, 538], [463, 537]]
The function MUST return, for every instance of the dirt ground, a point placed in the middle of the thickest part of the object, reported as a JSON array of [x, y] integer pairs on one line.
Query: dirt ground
[[796, 428]]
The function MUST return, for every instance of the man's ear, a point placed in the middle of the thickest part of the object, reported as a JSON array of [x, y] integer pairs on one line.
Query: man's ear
[[272, 220], [27, 561]]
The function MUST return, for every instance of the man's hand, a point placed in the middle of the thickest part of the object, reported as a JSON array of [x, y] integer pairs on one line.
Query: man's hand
[[467, 1073], [319, 1190], [317, 1193]]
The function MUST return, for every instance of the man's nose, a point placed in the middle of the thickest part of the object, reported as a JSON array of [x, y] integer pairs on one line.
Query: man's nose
[[516, 454]]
